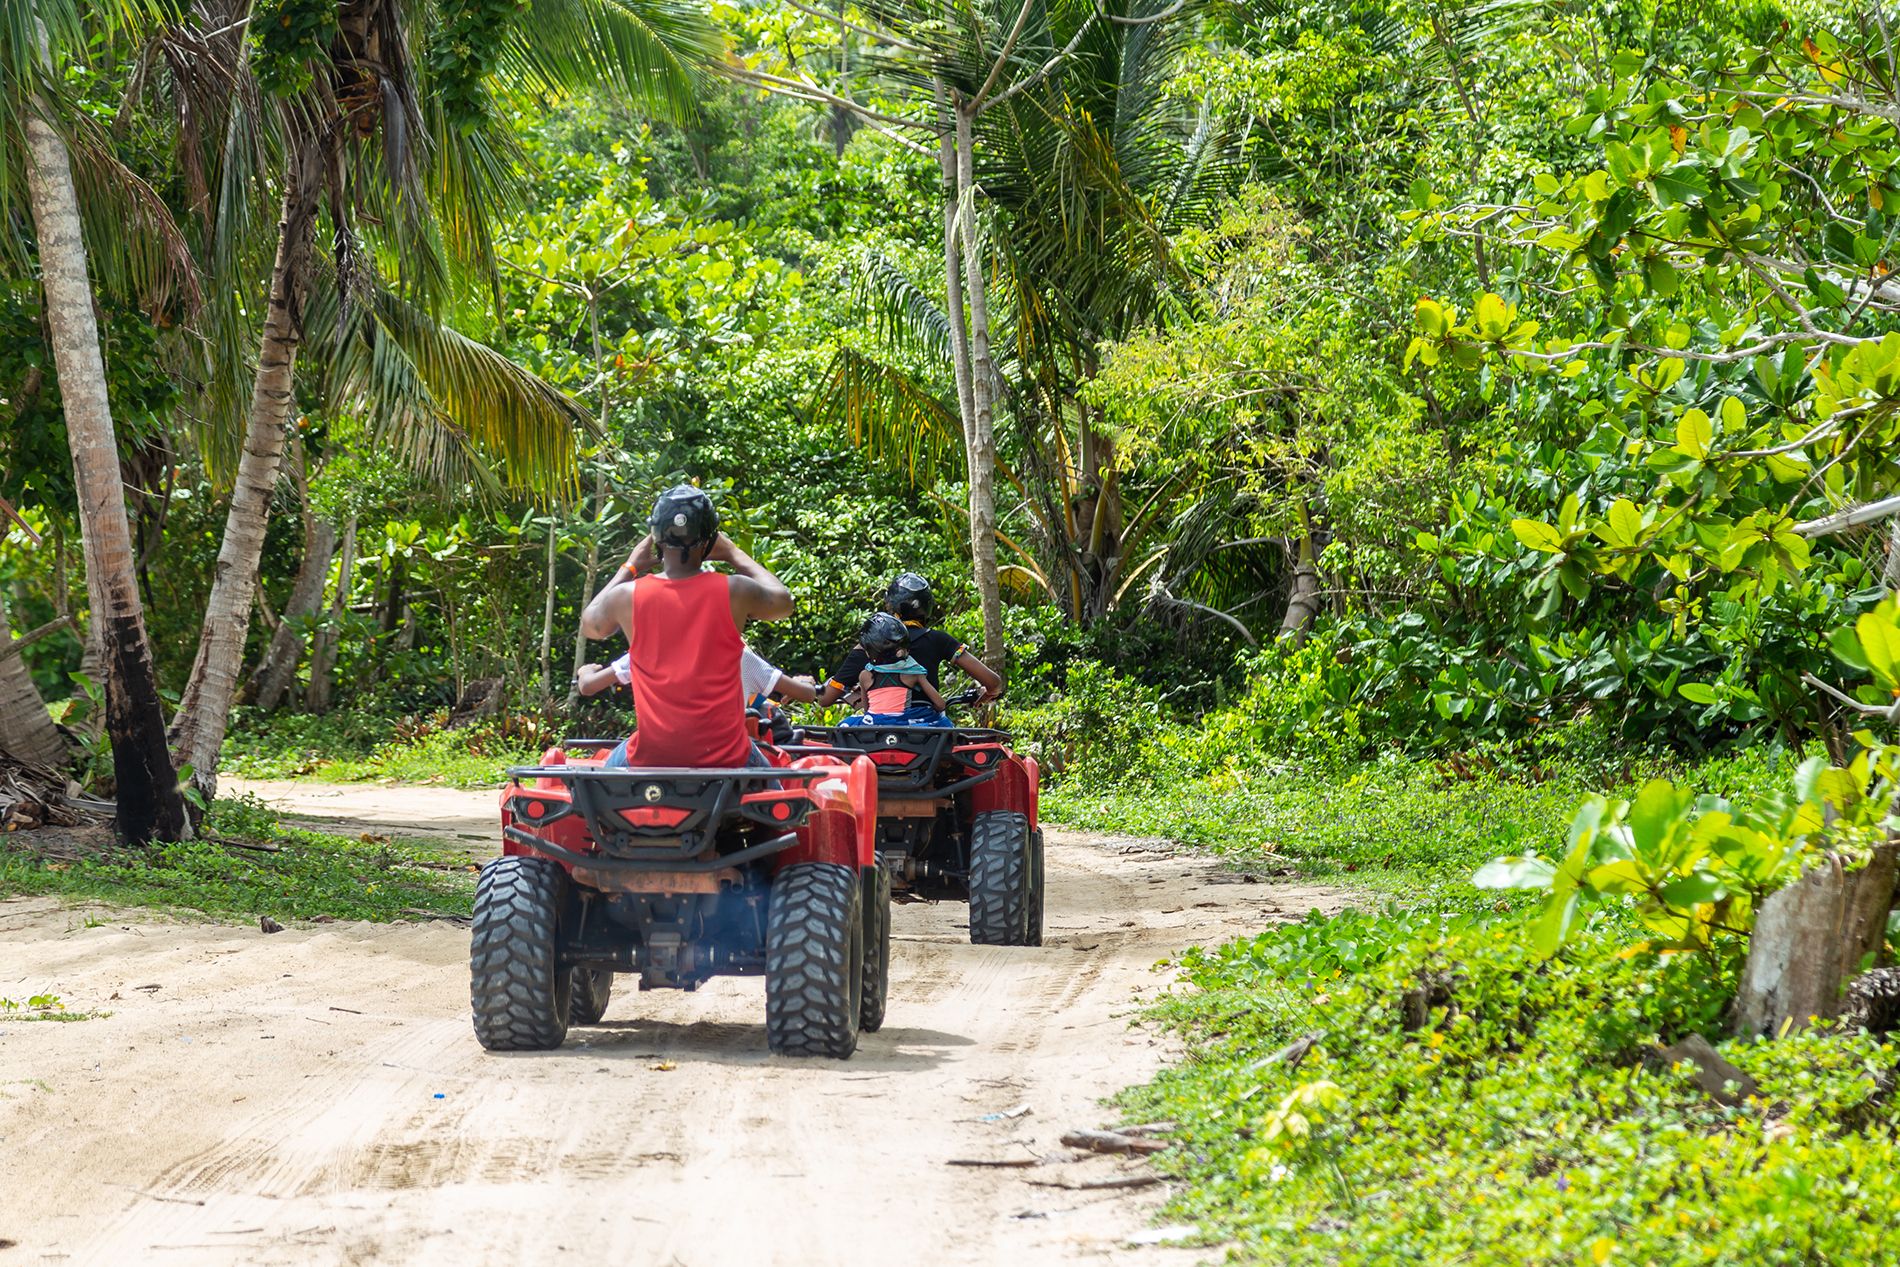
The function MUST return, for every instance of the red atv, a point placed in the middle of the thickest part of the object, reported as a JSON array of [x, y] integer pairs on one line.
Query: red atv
[[677, 876], [956, 819]]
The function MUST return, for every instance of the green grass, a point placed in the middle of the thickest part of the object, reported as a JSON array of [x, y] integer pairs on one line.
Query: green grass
[[1527, 1119], [359, 747], [1402, 825], [299, 875]]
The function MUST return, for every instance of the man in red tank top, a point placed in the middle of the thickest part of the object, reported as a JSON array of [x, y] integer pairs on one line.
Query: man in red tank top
[[682, 625]]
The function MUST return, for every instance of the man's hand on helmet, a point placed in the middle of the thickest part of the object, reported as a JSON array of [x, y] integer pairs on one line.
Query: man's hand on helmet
[[643, 558], [722, 548]]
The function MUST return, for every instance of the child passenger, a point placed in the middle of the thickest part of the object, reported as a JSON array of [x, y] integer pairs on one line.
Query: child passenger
[[895, 688]]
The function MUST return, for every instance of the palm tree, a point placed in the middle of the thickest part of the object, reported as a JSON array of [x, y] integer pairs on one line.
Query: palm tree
[[1085, 170], [35, 37], [399, 159]]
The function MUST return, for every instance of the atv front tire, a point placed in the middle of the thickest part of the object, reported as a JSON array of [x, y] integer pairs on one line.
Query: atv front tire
[[877, 947], [519, 993], [592, 988], [1000, 879], [814, 960]]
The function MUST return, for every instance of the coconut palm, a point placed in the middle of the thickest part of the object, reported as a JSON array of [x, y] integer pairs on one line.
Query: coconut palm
[[380, 120], [35, 37], [1085, 170]]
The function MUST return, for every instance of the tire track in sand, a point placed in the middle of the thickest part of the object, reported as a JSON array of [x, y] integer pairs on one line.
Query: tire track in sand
[[292, 1132]]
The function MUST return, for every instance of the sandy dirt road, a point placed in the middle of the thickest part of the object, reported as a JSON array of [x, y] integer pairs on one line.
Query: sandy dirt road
[[316, 1096]]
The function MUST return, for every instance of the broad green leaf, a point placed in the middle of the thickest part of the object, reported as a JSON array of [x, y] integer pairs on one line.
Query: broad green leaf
[[1697, 692], [1880, 644], [1527, 871], [1626, 521], [1554, 925], [1847, 649], [1694, 889], [1537, 536], [1694, 434], [1653, 815]]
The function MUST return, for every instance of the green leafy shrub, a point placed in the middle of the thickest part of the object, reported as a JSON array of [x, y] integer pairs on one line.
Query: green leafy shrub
[[1464, 1100]]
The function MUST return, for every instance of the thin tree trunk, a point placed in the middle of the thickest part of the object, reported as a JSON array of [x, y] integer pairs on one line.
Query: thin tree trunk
[[590, 571], [149, 804], [323, 650], [204, 713], [982, 447], [953, 267], [279, 668], [1303, 600], [547, 622], [27, 732]]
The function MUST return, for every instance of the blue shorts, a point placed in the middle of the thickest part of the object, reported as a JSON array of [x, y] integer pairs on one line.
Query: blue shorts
[[922, 715], [617, 759]]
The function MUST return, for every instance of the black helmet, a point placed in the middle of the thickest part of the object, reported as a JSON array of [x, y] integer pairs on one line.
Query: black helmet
[[684, 517], [909, 597], [884, 638]]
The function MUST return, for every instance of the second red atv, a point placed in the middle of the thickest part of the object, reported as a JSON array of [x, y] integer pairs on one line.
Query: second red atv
[[676, 876], [956, 819]]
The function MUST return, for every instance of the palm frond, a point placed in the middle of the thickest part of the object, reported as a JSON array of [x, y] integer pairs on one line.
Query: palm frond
[[455, 408], [907, 316], [651, 51], [896, 421]]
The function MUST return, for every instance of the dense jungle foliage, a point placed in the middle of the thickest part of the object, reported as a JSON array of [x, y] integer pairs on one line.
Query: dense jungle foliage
[[1444, 449]]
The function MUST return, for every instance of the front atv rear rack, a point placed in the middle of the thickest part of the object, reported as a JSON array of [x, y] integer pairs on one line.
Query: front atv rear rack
[[638, 822], [927, 746]]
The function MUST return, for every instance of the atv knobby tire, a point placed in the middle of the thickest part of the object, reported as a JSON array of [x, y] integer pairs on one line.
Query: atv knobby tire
[[814, 960], [877, 948], [1034, 936], [519, 993], [999, 879], [593, 987]]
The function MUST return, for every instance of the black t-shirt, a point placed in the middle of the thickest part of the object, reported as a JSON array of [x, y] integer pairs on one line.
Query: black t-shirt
[[932, 648]]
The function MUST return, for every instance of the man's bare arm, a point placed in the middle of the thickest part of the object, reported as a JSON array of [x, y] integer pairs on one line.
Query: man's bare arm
[[756, 593], [608, 612]]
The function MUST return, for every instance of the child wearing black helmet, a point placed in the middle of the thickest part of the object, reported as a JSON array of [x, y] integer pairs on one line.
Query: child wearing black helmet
[[909, 598], [893, 686]]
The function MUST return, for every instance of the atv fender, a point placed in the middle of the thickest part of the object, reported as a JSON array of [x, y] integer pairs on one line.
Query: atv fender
[[1013, 790], [843, 825]]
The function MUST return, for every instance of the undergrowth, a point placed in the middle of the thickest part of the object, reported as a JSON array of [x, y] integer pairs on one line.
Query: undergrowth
[[249, 865], [359, 747], [1522, 1114]]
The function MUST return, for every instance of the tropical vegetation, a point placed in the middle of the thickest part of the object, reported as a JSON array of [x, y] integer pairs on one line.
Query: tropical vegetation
[[1445, 450]]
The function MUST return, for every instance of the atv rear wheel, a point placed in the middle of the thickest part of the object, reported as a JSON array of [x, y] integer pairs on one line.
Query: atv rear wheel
[[1034, 937], [999, 879], [518, 992], [592, 988], [877, 947], [814, 960]]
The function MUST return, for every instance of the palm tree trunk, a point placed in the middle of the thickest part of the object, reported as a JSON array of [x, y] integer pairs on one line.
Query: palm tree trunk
[[953, 266], [204, 713], [982, 434], [27, 732], [279, 667], [323, 649], [149, 805]]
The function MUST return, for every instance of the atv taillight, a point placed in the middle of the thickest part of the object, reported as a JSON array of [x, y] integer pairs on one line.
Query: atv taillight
[[536, 809], [893, 757]]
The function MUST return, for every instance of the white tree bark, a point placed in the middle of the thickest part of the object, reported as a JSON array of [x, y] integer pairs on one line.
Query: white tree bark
[[204, 713], [982, 436], [149, 804], [27, 732]]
